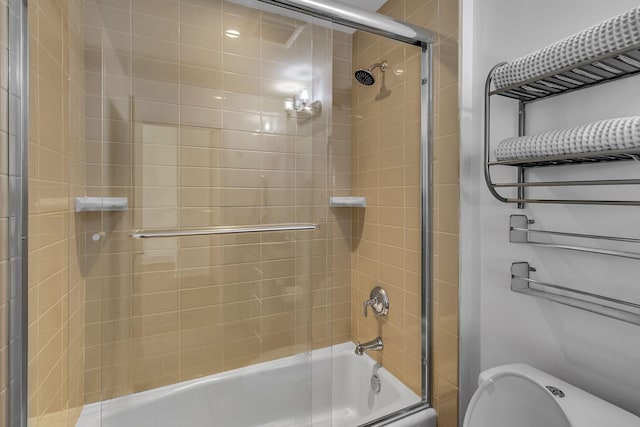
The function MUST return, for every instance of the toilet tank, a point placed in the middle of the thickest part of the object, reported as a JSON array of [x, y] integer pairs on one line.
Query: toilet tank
[[520, 395]]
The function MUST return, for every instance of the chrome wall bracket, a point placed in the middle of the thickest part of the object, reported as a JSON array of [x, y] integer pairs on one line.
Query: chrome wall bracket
[[519, 228]]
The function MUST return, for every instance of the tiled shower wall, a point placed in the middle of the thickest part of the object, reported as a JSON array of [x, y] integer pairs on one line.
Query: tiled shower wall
[[56, 177], [386, 235], [189, 124], [340, 185], [4, 188], [386, 170]]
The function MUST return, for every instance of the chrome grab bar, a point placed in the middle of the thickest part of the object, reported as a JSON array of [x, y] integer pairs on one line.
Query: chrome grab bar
[[212, 231], [519, 233], [616, 309]]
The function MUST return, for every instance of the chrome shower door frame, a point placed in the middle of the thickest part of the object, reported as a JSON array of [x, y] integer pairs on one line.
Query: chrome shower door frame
[[328, 10], [385, 26], [18, 208]]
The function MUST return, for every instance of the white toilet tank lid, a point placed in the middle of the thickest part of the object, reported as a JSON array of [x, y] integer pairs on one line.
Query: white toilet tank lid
[[580, 408]]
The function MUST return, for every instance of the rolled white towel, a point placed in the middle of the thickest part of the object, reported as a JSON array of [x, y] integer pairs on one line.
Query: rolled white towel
[[609, 36], [612, 134]]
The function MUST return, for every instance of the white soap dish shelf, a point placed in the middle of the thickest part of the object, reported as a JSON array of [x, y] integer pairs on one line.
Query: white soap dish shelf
[[348, 202], [101, 204]]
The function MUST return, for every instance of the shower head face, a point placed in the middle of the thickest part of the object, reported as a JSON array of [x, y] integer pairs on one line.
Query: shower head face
[[365, 77]]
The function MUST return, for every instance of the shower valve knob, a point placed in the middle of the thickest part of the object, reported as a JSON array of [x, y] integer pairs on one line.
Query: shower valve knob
[[378, 301]]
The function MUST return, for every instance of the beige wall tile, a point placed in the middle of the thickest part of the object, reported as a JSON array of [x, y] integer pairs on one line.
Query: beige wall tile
[[150, 26], [57, 287]]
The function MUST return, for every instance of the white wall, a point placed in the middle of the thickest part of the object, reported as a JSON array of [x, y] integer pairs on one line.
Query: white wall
[[498, 326]]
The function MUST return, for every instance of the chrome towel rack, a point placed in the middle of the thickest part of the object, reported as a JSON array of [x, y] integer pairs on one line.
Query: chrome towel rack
[[602, 69], [519, 232], [212, 231], [522, 283]]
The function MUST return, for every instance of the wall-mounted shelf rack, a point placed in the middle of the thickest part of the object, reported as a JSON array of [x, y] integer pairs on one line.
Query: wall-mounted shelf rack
[[519, 232], [594, 71], [606, 52], [521, 282], [611, 155]]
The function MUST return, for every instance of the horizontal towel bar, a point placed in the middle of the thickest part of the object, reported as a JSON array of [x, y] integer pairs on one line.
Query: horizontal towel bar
[[614, 308], [621, 254], [575, 201], [515, 221], [568, 183], [519, 233], [212, 231]]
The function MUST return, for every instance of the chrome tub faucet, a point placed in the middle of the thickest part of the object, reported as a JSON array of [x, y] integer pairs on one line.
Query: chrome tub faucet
[[374, 345]]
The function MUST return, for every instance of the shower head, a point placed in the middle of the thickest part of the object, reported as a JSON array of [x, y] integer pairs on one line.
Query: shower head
[[365, 76]]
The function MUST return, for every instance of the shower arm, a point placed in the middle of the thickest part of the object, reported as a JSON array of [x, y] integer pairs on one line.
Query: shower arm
[[382, 65]]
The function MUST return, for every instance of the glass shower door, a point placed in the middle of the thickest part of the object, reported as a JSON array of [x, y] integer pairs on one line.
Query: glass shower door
[[202, 114]]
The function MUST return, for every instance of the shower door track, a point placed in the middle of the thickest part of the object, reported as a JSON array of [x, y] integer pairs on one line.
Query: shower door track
[[359, 19]]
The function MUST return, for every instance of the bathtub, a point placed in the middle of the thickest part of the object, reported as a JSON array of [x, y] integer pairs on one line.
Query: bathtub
[[326, 387]]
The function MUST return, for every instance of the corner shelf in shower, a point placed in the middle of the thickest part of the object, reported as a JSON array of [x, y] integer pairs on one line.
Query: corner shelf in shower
[[348, 202], [614, 65], [101, 204]]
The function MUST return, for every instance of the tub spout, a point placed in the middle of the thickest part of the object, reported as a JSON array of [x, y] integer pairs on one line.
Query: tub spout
[[375, 345]]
